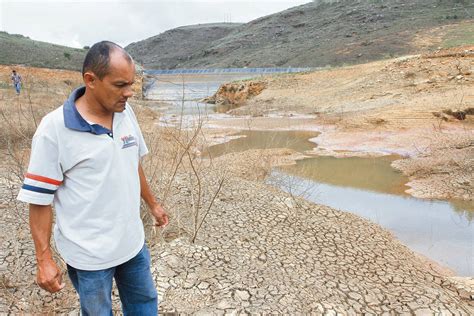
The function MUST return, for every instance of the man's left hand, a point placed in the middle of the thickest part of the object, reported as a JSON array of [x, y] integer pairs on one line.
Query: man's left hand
[[161, 218]]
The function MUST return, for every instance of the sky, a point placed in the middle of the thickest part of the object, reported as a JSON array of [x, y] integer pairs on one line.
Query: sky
[[79, 23]]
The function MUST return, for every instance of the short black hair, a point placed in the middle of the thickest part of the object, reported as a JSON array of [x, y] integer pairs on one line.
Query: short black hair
[[98, 58]]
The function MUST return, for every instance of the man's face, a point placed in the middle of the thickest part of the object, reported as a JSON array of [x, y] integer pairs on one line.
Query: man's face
[[116, 87]]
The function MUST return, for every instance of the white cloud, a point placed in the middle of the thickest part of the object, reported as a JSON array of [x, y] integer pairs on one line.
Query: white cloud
[[80, 23]]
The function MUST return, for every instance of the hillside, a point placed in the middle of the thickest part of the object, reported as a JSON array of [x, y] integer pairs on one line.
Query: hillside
[[318, 34], [18, 49], [173, 48]]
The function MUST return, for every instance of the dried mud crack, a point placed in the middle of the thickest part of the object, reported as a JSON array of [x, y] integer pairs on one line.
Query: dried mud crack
[[263, 251]]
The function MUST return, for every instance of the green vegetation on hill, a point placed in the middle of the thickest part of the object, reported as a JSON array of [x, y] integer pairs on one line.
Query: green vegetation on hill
[[319, 33], [18, 49], [171, 49], [462, 35]]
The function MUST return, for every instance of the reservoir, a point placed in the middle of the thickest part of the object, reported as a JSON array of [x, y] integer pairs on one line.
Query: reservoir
[[369, 187]]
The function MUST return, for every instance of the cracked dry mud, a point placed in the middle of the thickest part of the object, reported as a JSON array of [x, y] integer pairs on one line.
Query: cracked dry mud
[[262, 251]]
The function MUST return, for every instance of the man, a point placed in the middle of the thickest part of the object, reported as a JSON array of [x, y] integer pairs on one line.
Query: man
[[85, 158], [16, 78]]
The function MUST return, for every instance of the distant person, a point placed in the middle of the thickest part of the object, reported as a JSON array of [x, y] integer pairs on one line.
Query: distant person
[[85, 158], [16, 78]]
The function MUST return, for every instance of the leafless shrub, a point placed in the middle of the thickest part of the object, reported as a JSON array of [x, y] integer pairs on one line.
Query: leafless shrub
[[186, 184], [19, 118]]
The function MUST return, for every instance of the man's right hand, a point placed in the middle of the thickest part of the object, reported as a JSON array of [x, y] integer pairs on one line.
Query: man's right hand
[[48, 276]]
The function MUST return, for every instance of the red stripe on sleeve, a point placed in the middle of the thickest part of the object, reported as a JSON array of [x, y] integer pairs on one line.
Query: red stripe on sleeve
[[42, 179]]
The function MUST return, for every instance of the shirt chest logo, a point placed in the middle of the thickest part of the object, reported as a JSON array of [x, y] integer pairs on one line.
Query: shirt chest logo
[[128, 141]]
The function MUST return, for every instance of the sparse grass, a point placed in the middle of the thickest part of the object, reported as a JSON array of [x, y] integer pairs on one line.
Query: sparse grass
[[462, 35], [19, 116], [16, 49]]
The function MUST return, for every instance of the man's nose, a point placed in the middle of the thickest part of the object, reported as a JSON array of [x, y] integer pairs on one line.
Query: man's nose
[[128, 92]]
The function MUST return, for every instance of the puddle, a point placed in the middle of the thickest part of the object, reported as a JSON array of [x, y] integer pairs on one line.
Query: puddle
[[296, 140], [373, 174]]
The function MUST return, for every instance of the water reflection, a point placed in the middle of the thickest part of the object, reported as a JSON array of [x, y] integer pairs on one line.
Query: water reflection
[[433, 228], [183, 91], [465, 208]]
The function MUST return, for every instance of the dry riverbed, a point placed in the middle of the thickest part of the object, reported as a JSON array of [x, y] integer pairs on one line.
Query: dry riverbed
[[259, 250]]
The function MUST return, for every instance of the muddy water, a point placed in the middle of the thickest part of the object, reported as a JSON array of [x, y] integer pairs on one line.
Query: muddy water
[[296, 140], [436, 229], [187, 86], [369, 187], [183, 92], [373, 174]]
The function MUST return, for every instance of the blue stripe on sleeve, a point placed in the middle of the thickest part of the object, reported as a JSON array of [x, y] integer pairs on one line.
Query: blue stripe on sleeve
[[37, 189]]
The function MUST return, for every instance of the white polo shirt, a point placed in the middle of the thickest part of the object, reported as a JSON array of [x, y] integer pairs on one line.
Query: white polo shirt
[[91, 177]]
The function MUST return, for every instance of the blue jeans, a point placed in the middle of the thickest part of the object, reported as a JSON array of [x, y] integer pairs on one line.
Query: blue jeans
[[18, 87], [134, 281]]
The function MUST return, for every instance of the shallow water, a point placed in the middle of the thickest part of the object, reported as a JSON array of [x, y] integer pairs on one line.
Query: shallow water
[[371, 188], [183, 92], [186, 87], [368, 187], [296, 140], [437, 229], [374, 174]]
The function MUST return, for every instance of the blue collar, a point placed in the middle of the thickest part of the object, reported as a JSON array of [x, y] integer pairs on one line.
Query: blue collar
[[74, 120]]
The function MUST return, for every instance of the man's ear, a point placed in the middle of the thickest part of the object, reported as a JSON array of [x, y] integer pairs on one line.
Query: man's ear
[[90, 80]]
